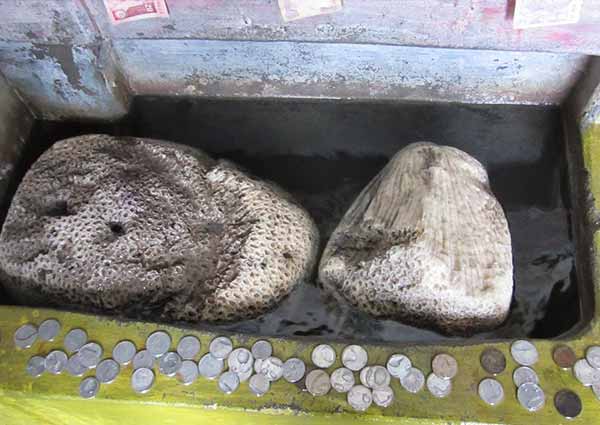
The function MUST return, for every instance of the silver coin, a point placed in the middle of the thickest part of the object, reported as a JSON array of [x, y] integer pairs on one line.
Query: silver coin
[[209, 366], [48, 330], [188, 372], [293, 370], [90, 354], [438, 387], [220, 347], [317, 382], [531, 396], [240, 360], [229, 382], [158, 343], [25, 336], [258, 364], [342, 380], [74, 340], [272, 368], [491, 391], [354, 357], [107, 371], [36, 366], [323, 356], [74, 366], [169, 363], [360, 398], [262, 349], [56, 362], [89, 387], [244, 376], [398, 365], [444, 366], [188, 347], [524, 374], [592, 355], [524, 352], [585, 373], [124, 352], [259, 385], [143, 359], [375, 377], [413, 381], [383, 397], [142, 380]]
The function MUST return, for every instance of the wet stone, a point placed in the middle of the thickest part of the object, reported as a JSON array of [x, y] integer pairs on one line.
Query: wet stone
[[36, 366], [48, 330], [229, 382], [143, 359], [564, 356], [56, 362], [360, 398], [262, 349], [531, 396], [89, 387], [491, 391], [398, 365], [25, 336], [209, 366], [220, 347], [438, 387], [525, 374], [188, 372], [318, 382], [342, 380], [188, 347], [124, 352], [524, 352], [567, 403], [158, 343], [323, 356], [354, 357], [75, 339], [493, 361], [293, 370]]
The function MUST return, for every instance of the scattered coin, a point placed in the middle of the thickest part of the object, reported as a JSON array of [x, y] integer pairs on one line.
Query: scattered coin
[[375, 377], [293, 370], [36, 366], [74, 366], [444, 366], [229, 382], [240, 360], [25, 336], [491, 391], [525, 374], [259, 384], [74, 340], [567, 403], [220, 347], [123, 352], [383, 396], [262, 349], [209, 366], [354, 357], [493, 361], [585, 373], [169, 363], [90, 354], [142, 380], [317, 382], [56, 362], [438, 387], [107, 371], [564, 356], [592, 355], [188, 347], [342, 380], [188, 372], [413, 381], [360, 398], [143, 359], [531, 396], [524, 352], [158, 343], [48, 329], [272, 368], [323, 356], [89, 387], [398, 365]]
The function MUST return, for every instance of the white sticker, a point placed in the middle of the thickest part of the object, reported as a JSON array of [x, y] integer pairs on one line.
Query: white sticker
[[542, 13], [298, 9], [120, 11]]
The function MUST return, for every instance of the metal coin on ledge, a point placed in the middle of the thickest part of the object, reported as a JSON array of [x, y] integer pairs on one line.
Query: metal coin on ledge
[[158, 343], [493, 361], [524, 352], [360, 398], [169, 363], [444, 366], [398, 365], [75, 339], [567, 403], [209, 366], [383, 397], [56, 362], [74, 366], [592, 355], [48, 329], [342, 380], [259, 384], [318, 382], [220, 347], [262, 349], [89, 387], [524, 374], [188, 372], [25, 336], [585, 373], [438, 387], [142, 380], [229, 382], [413, 381], [90, 354], [123, 352], [107, 371], [564, 356], [36, 366], [354, 357], [240, 360], [143, 359], [188, 347], [491, 391], [531, 396], [323, 356], [293, 370]]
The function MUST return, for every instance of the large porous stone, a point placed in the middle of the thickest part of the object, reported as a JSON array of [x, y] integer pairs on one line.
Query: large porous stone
[[426, 242], [136, 225]]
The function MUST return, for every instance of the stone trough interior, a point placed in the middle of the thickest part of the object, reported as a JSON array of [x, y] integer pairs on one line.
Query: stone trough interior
[[325, 152]]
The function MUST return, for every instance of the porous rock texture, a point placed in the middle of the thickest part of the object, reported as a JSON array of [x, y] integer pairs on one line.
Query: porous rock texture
[[136, 225], [427, 243]]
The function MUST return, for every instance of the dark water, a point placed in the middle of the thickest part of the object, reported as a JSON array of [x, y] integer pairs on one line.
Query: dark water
[[325, 152]]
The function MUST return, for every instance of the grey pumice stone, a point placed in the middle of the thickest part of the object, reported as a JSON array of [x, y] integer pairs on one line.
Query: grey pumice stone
[[426, 242], [132, 225]]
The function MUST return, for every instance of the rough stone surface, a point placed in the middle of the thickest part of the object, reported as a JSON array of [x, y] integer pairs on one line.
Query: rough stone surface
[[144, 226], [426, 242]]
